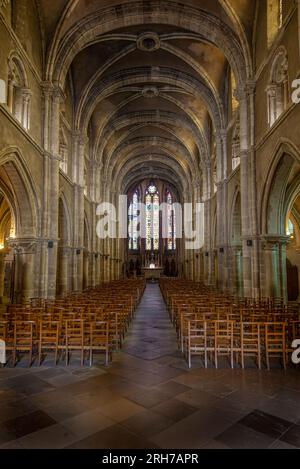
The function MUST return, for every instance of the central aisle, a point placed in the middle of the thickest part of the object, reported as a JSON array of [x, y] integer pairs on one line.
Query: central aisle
[[151, 335]]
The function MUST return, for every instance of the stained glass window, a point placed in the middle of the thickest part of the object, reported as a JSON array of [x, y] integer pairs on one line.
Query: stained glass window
[[148, 222], [171, 241], [152, 218], [155, 222], [133, 213]]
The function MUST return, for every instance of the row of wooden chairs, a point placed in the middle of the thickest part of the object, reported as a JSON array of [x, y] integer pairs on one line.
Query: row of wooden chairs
[[52, 336], [236, 341], [93, 321], [213, 323]]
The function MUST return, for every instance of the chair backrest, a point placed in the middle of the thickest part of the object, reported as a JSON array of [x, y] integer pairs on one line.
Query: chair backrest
[[99, 331], [24, 332], [74, 330], [275, 335], [49, 330]]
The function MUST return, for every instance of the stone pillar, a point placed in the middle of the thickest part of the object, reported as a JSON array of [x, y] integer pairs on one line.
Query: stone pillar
[[63, 274], [26, 269], [248, 191], [10, 92], [208, 253], [78, 225], [85, 273], [236, 283], [272, 108], [274, 282], [51, 108], [57, 96], [26, 95], [222, 242]]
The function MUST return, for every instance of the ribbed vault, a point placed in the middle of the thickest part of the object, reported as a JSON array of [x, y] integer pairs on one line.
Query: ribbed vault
[[149, 81]]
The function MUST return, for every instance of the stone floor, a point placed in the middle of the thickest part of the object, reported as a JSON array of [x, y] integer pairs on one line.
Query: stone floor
[[148, 398]]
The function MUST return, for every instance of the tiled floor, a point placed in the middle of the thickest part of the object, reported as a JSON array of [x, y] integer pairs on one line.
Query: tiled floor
[[148, 399]]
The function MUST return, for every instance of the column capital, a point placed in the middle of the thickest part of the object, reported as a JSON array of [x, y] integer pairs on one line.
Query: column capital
[[246, 89], [26, 93], [80, 137], [221, 133], [96, 164], [273, 241], [47, 88], [23, 245]]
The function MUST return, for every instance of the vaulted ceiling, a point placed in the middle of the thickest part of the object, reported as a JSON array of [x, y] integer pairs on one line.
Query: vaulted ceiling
[[149, 79]]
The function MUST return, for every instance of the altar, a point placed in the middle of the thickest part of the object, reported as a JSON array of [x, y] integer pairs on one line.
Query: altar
[[152, 272]]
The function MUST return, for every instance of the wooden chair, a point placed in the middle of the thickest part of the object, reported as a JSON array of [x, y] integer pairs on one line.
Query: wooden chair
[[25, 339], [275, 341], [223, 341], [250, 344], [74, 338], [99, 340], [196, 341], [49, 334]]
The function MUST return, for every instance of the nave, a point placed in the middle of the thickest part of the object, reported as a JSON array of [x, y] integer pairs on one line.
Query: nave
[[148, 398]]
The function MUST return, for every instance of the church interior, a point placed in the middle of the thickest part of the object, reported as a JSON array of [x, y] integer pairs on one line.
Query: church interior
[[190, 111]]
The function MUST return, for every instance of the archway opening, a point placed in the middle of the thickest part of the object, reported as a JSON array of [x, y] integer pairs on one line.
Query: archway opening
[[7, 258], [293, 250]]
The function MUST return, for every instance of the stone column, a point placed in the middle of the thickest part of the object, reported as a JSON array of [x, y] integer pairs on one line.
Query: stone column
[[85, 273], [248, 190], [208, 253], [63, 280], [26, 95], [26, 268], [78, 225], [57, 96], [274, 281], [10, 92], [236, 279], [272, 109], [51, 108]]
